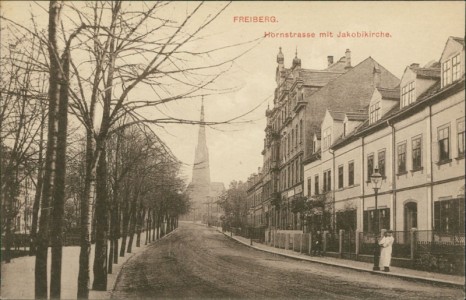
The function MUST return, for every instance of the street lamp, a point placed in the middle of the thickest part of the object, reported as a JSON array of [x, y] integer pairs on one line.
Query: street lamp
[[376, 179]]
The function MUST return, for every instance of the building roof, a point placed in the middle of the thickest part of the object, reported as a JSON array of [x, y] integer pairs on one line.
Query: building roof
[[393, 94], [318, 77], [430, 73], [340, 65], [396, 112], [458, 39], [351, 91], [356, 116], [337, 115]]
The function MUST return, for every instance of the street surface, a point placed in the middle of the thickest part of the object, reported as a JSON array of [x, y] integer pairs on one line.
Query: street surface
[[199, 262]]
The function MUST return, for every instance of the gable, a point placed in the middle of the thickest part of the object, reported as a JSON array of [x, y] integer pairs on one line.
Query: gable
[[452, 46]]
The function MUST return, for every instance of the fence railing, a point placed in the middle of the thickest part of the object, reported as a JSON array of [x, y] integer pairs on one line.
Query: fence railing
[[427, 250]]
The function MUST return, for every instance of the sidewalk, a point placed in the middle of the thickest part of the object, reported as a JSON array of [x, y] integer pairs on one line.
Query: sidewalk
[[408, 274], [18, 276]]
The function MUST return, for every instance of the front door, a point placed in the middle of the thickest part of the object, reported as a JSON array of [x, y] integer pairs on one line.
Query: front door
[[410, 217]]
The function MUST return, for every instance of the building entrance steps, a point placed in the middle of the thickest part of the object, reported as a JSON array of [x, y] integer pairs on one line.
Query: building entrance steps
[[404, 273]]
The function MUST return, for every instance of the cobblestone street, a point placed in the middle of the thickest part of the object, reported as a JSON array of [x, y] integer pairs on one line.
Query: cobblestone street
[[199, 262]]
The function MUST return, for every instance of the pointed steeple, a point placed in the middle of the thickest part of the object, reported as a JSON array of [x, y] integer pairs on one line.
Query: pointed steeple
[[280, 57], [296, 60], [201, 168]]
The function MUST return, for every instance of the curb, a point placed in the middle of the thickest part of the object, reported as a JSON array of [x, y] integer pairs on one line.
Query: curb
[[308, 259], [131, 257]]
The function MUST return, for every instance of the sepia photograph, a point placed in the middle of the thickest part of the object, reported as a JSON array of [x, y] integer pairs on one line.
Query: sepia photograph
[[232, 149]]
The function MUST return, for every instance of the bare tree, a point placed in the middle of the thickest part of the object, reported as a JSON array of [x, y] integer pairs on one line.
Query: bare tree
[[21, 123]]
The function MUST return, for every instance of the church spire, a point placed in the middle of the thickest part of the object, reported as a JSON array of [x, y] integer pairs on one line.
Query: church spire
[[201, 168]]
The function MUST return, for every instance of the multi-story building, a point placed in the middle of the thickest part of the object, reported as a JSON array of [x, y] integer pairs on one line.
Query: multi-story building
[[414, 136], [256, 211], [292, 130], [285, 134]]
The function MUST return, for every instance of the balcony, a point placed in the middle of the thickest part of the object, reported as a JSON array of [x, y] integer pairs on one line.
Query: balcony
[[299, 105]]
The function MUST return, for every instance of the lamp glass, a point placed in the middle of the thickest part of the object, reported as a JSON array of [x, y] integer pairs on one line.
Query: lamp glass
[[376, 179]]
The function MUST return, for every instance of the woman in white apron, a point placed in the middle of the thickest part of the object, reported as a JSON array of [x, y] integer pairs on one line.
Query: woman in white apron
[[386, 250]]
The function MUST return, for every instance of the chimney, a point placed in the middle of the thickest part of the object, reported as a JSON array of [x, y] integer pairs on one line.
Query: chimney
[[258, 170], [414, 65], [330, 60], [348, 58]]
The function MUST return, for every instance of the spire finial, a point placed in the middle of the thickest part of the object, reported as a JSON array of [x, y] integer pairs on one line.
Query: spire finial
[[280, 57], [202, 109], [296, 52]]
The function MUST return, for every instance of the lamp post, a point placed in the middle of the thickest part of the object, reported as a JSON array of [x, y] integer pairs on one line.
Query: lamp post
[[376, 179]]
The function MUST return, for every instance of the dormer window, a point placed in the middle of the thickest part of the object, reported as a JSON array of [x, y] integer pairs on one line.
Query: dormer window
[[327, 138], [455, 67], [446, 72], [374, 112], [344, 128], [407, 94], [451, 70]]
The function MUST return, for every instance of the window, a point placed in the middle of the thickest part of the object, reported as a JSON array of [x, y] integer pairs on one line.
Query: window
[[370, 222], [351, 173], [292, 173], [327, 181], [314, 146], [401, 158], [340, 177], [407, 94], [309, 186], [446, 70], [289, 145], [370, 166], [449, 216], [300, 131], [455, 67], [416, 149], [289, 176], [374, 112], [381, 162], [344, 128], [298, 171], [316, 185], [292, 140], [461, 137], [327, 138], [296, 139], [444, 143], [347, 220]]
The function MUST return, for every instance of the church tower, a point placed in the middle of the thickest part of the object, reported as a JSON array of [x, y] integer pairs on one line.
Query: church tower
[[201, 190], [201, 167]]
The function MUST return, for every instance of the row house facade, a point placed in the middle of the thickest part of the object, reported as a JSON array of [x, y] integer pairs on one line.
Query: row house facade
[[413, 134], [256, 216], [292, 130]]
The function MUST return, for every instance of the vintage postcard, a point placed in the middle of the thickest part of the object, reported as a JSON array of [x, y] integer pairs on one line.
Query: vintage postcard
[[232, 150]]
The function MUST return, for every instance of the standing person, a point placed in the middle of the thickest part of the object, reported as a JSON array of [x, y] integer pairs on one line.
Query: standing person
[[386, 252], [318, 244]]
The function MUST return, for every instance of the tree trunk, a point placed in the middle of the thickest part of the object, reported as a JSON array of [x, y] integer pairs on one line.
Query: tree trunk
[[86, 213], [124, 234], [37, 197], [59, 191], [132, 227], [139, 227], [116, 232], [148, 227], [153, 225], [101, 209], [40, 271]]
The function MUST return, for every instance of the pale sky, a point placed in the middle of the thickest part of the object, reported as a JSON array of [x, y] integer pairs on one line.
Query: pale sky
[[418, 32]]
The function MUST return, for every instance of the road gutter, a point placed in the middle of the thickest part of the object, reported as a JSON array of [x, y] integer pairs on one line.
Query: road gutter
[[386, 274]]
